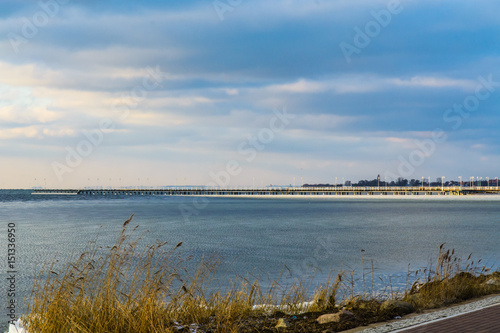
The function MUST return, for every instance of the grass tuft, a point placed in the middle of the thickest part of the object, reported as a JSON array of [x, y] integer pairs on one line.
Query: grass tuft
[[454, 280]]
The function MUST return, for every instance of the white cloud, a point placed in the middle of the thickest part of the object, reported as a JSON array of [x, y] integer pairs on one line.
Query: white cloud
[[63, 132], [26, 114], [28, 75], [21, 106], [21, 132], [435, 82], [300, 86], [265, 13], [358, 84], [155, 119], [317, 122], [232, 92]]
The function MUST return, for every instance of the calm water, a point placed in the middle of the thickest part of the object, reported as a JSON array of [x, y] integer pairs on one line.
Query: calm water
[[258, 236]]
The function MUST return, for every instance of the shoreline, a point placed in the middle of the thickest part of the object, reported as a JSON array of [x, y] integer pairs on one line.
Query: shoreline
[[494, 197]]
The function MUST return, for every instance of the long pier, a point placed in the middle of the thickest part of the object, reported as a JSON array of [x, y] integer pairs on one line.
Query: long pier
[[275, 191]]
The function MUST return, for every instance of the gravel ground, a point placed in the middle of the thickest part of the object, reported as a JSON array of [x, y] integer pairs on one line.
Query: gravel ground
[[395, 326]]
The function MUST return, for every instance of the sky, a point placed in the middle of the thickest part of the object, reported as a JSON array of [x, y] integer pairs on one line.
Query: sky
[[247, 93]]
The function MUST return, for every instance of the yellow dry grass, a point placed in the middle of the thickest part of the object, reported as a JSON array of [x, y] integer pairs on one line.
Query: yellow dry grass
[[132, 290], [127, 290]]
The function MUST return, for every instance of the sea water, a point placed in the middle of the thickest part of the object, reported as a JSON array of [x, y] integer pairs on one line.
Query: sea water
[[285, 238]]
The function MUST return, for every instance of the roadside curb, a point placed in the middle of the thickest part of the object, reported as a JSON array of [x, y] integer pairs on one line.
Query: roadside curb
[[429, 316]]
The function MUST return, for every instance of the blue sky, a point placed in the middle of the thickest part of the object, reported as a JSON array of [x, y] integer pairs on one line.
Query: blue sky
[[110, 93]]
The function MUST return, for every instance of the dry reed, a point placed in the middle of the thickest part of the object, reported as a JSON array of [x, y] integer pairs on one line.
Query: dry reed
[[130, 290], [149, 290]]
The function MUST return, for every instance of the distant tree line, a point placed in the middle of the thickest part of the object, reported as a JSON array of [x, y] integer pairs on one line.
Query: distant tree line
[[405, 182]]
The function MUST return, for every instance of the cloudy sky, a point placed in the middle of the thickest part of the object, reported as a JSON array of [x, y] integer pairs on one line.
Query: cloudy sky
[[111, 93]]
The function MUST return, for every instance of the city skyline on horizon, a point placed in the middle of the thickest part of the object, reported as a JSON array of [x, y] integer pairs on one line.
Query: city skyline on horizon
[[243, 93]]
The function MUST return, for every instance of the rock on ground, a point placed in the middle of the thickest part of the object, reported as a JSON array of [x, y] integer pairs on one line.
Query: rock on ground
[[335, 317], [282, 323]]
